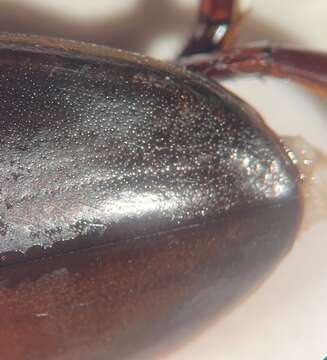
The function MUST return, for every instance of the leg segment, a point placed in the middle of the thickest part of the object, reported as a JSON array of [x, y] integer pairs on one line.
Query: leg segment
[[306, 67], [212, 30]]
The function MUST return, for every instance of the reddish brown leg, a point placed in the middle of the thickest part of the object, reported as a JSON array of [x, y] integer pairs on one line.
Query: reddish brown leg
[[306, 67], [212, 30]]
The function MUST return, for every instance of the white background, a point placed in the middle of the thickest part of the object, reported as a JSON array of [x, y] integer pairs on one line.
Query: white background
[[287, 317]]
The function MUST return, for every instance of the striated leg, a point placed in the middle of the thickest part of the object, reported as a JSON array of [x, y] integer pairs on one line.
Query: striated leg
[[213, 30], [308, 68]]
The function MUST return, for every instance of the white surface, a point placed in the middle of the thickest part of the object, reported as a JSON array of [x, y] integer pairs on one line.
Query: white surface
[[286, 317]]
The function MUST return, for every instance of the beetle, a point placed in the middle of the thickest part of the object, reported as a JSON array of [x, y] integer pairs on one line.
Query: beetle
[[138, 198]]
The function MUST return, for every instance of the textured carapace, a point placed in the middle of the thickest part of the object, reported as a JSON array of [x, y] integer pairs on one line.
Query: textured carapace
[[135, 197]]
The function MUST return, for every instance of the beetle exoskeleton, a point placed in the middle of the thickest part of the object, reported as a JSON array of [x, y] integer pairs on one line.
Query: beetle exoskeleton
[[136, 197]]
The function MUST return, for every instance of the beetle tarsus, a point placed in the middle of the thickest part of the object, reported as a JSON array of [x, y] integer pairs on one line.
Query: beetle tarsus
[[308, 68], [215, 27]]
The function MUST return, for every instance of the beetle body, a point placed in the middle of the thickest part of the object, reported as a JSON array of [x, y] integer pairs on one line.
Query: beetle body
[[136, 198]]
